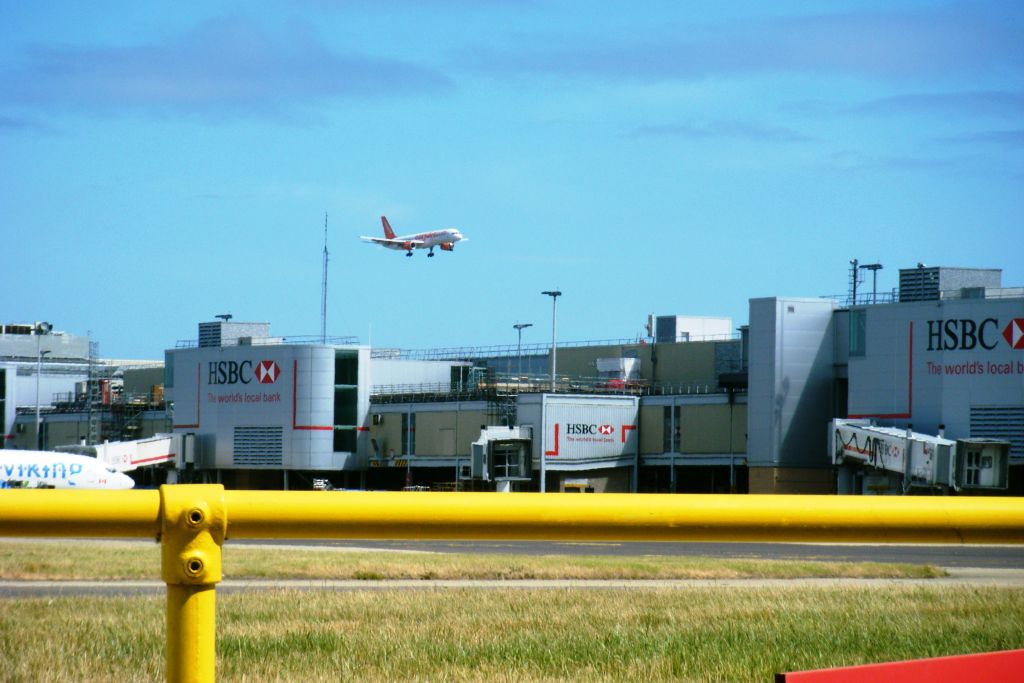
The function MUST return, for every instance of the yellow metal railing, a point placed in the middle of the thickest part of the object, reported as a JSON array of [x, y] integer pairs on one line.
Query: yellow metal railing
[[193, 521]]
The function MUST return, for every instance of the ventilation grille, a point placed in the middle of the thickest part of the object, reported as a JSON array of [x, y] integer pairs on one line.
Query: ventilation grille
[[1000, 422], [258, 446], [919, 284], [209, 334]]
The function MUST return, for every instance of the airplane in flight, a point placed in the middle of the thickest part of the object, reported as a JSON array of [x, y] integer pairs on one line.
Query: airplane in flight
[[445, 239], [47, 469]]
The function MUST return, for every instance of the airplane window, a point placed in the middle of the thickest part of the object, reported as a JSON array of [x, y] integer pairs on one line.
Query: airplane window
[[111, 469]]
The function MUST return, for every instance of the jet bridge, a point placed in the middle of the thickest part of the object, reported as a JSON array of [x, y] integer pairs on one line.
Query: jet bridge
[[871, 459], [502, 455]]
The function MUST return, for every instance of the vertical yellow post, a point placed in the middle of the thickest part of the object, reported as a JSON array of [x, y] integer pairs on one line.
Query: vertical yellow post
[[193, 522]]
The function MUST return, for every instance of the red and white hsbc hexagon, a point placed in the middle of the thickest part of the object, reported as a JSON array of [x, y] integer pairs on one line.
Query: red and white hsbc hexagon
[[267, 372], [1013, 333]]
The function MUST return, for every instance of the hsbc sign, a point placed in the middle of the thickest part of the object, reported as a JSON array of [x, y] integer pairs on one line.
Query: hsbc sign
[[243, 372], [578, 429], [965, 334]]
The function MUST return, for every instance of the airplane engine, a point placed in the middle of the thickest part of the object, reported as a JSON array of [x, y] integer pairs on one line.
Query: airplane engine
[[447, 246], [407, 245]]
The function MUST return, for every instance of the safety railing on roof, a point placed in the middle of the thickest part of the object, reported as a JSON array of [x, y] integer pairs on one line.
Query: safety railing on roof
[[508, 385], [894, 296], [301, 340], [513, 350], [193, 521]]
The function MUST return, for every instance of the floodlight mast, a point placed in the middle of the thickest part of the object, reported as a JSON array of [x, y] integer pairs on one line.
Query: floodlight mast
[[39, 330], [874, 268], [323, 290], [519, 327], [554, 294]]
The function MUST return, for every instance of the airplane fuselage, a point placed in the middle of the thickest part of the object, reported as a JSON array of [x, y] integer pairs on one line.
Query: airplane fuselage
[[445, 239], [424, 240], [46, 469]]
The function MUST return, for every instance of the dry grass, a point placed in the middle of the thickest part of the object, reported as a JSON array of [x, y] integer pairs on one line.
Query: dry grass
[[715, 634], [132, 560]]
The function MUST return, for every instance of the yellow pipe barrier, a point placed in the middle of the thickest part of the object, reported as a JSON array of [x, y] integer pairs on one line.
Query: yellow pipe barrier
[[192, 522], [65, 513], [622, 517], [532, 516]]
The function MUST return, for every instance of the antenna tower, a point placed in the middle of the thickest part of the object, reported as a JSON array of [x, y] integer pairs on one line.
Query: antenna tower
[[323, 290]]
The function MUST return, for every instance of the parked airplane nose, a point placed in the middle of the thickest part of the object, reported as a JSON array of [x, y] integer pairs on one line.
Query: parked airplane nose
[[123, 481]]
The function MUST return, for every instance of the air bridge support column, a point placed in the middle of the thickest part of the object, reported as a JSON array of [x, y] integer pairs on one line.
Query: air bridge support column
[[193, 522]]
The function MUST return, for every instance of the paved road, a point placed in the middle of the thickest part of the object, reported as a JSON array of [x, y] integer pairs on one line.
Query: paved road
[[975, 565], [1000, 578], [987, 556]]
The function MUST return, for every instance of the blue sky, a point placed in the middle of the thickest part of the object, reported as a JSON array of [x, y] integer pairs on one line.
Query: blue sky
[[163, 163]]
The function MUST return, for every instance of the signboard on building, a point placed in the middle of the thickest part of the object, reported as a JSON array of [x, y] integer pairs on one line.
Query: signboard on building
[[577, 429]]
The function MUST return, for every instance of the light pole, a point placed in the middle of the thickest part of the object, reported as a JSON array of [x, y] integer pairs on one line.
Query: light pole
[[40, 329], [519, 348], [554, 301], [874, 268]]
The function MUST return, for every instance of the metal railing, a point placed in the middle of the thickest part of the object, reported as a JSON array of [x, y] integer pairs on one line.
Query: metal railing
[[532, 349], [894, 296], [193, 521], [502, 384], [300, 340]]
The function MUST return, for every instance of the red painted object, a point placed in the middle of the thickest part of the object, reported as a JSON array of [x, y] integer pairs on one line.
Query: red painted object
[[991, 667]]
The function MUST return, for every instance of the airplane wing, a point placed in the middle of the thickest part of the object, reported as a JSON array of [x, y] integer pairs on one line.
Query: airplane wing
[[397, 243]]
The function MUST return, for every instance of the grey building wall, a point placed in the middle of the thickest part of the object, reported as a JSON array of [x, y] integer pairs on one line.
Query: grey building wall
[[394, 373], [791, 375], [59, 345]]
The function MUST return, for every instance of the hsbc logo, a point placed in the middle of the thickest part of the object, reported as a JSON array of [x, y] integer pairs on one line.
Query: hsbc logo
[[267, 372], [964, 334], [1014, 333], [580, 429], [245, 372]]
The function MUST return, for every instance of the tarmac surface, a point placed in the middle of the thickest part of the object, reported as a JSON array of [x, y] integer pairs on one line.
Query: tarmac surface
[[943, 555], [976, 565], [958, 577]]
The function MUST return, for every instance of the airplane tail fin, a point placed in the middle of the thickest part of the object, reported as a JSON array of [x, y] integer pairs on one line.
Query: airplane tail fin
[[388, 232]]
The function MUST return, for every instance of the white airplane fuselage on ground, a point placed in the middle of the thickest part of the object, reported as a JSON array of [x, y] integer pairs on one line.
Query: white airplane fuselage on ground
[[445, 239], [47, 469]]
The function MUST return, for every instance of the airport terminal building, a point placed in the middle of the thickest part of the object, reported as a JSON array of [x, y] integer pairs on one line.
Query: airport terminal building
[[696, 407], [944, 355]]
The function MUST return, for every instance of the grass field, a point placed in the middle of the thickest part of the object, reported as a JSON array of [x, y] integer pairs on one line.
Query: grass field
[[712, 634], [20, 559]]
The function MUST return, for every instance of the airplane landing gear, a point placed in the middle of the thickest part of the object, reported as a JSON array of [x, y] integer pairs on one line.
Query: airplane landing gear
[[431, 253], [408, 253]]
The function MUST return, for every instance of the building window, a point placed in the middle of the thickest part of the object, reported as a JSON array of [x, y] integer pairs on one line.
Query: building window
[[858, 332], [408, 433], [976, 462], [671, 429], [508, 459]]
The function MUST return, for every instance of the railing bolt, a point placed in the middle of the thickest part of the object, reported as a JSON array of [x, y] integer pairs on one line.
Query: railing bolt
[[195, 517], [194, 566]]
